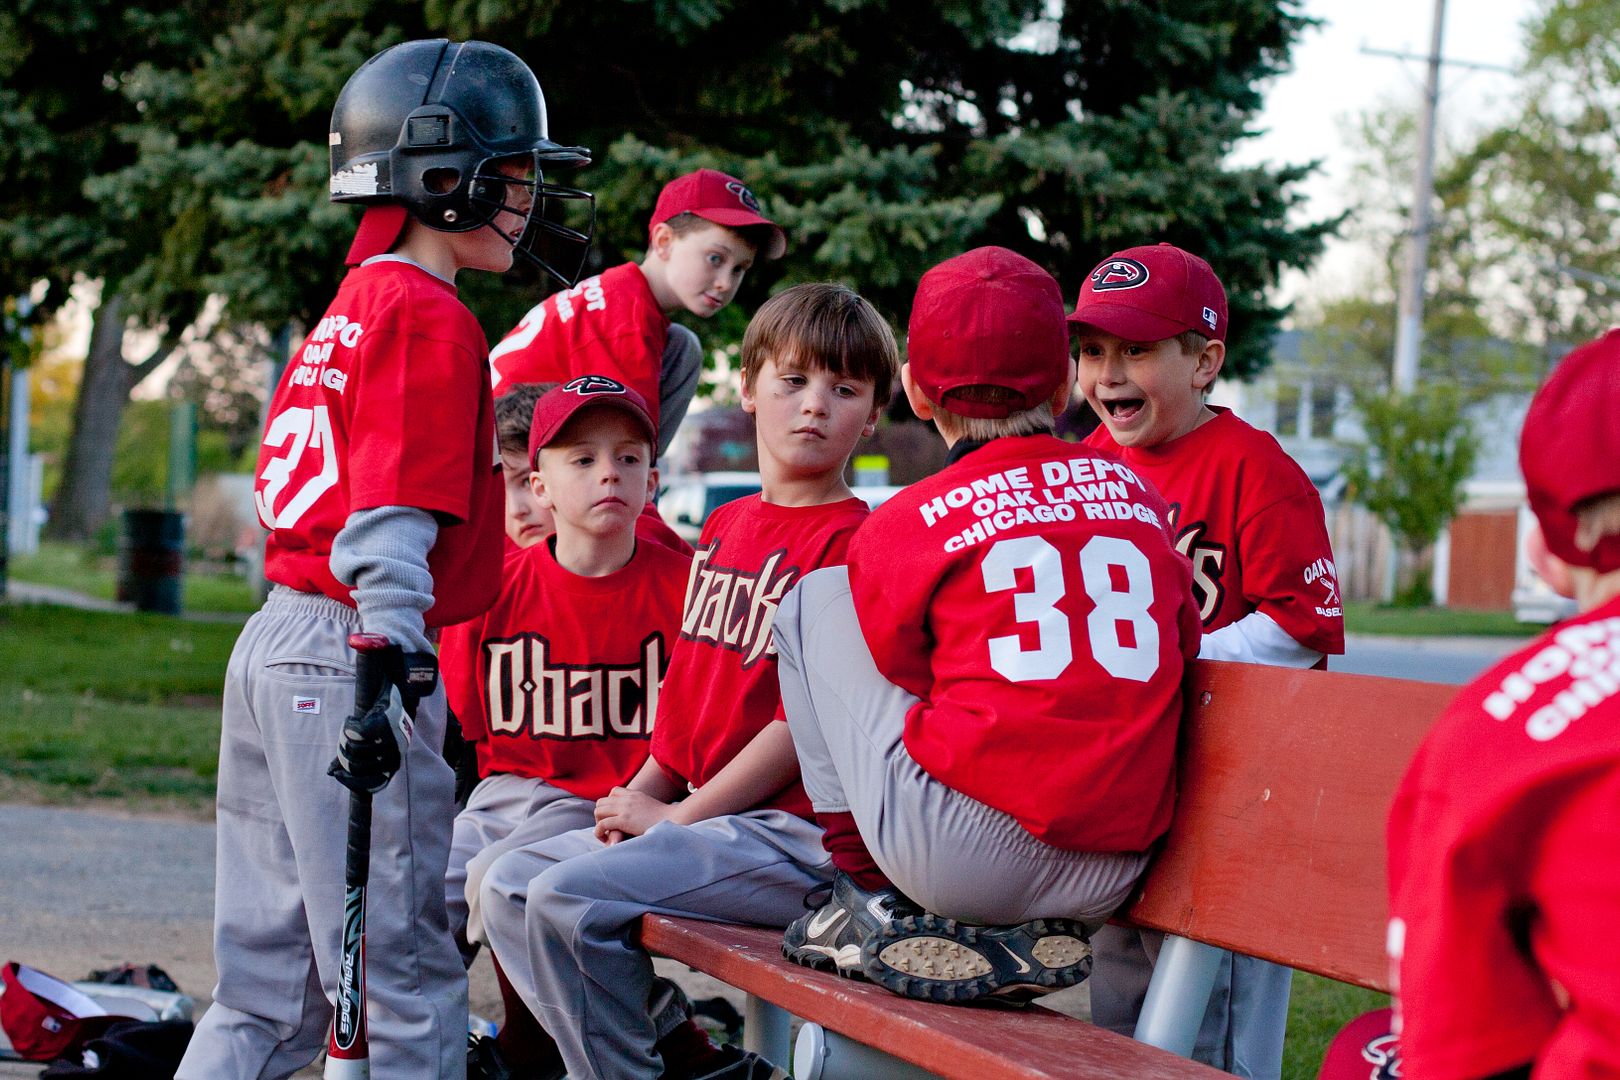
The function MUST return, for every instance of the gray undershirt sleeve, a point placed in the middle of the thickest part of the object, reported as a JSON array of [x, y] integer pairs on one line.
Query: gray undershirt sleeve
[[382, 555]]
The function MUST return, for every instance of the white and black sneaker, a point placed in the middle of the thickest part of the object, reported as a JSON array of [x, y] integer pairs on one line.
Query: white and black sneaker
[[830, 937], [933, 958]]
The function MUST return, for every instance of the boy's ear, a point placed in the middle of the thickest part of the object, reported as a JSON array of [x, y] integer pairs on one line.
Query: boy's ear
[[914, 396], [1549, 567], [652, 483], [1209, 364], [537, 484], [660, 239], [747, 393], [1060, 398]]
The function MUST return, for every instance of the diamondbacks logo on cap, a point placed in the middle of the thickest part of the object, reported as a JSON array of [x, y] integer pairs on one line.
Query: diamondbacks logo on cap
[[744, 196], [1119, 274], [1384, 1055], [586, 385]]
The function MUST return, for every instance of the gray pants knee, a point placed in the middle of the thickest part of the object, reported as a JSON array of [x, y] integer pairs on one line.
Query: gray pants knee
[[563, 916]]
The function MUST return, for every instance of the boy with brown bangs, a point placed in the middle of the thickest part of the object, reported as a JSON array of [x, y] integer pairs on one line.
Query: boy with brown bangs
[[1149, 331], [985, 701], [1504, 866], [705, 233], [716, 824]]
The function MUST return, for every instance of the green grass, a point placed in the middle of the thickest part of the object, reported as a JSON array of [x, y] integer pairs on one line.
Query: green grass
[[1363, 617], [1317, 1009], [109, 706], [70, 566]]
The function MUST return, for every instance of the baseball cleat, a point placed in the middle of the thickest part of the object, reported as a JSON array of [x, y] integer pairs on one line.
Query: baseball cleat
[[830, 937], [933, 958]]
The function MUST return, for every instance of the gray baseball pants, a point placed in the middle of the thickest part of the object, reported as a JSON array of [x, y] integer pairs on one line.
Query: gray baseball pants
[[563, 917], [282, 831], [503, 812], [1243, 1026], [950, 853], [678, 375]]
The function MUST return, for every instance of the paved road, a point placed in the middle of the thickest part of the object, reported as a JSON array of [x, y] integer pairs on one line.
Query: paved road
[[1447, 660]]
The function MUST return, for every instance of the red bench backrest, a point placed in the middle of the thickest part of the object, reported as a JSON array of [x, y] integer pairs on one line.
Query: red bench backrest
[[1277, 847]]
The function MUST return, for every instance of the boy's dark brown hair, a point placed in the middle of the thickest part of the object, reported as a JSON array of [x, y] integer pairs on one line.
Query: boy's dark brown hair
[[755, 236], [514, 412], [822, 327]]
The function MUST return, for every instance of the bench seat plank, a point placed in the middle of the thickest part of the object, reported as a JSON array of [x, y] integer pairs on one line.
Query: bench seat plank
[[1277, 846], [956, 1042]]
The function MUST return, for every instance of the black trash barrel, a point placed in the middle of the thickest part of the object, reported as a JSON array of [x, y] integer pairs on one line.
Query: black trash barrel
[[149, 560]]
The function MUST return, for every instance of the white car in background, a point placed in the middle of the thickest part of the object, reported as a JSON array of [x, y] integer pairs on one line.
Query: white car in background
[[687, 501]]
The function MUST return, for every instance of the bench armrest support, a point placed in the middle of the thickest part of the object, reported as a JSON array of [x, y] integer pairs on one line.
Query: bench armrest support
[[1178, 995]]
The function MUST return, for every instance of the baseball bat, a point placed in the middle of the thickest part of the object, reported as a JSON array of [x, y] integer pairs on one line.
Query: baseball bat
[[347, 1055]]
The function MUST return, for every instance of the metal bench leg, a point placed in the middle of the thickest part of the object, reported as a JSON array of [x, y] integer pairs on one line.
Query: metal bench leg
[[820, 1054], [1178, 994], [767, 1030]]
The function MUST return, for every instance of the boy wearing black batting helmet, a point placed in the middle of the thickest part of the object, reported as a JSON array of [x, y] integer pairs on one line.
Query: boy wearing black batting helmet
[[378, 482]]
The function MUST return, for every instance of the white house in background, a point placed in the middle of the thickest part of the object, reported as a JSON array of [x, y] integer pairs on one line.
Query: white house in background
[[1477, 562]]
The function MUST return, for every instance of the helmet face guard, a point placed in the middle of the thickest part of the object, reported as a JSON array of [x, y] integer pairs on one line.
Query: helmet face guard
[[427, 125], [558, 221]]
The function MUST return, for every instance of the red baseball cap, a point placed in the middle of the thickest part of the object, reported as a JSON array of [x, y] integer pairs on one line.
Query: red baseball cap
[[558, 405], [1152, 293], [989, 317], [44, 1017], [1364, 1049], [1570, 448], [724, 200], [379, 229]]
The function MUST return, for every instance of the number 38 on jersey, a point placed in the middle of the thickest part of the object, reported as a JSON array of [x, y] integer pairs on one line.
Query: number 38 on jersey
[[1122, 635]]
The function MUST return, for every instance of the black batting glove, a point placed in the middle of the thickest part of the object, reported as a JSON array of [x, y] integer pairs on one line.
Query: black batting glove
[[417, 676], [368, 749]]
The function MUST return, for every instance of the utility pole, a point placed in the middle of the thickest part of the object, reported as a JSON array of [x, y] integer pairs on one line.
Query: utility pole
[[1409, 324]]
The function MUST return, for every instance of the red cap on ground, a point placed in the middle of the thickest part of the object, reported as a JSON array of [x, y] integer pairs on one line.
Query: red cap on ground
[[44, 1017], [1364, 1049], [989, 317], [724, 200], [1151, 293], [1570, 448], [380, 227], [558, 405]]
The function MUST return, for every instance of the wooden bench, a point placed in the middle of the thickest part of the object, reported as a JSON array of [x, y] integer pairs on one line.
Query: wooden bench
[[1276, 850]]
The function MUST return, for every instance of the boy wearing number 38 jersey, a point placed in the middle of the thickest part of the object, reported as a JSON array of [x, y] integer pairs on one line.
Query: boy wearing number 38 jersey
[[985, 701]]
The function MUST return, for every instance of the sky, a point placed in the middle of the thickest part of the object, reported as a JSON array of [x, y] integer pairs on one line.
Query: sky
[[1309, 111]]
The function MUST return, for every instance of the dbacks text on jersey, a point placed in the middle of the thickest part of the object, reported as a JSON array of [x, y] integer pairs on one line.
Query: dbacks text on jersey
[[530, 695], [1208, 564], [734, 609]]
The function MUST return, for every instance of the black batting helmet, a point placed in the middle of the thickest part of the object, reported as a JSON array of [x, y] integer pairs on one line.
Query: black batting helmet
[[424, 124]]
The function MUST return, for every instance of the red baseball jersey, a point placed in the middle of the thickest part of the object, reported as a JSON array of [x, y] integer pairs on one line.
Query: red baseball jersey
[[559, 679], [1504, 867], [606, 325], [1252, 524], [722, 688], [387, 404], [1030, 596]]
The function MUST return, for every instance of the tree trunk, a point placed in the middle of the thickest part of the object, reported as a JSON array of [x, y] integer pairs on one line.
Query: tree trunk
[[82, 500]]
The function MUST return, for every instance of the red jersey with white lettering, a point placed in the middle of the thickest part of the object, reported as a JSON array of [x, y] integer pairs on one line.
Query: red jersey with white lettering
[[387, 404], [609, 325], [548, 687], [722, 690], [1030, 596], [1504, 867], [1252, 523]]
